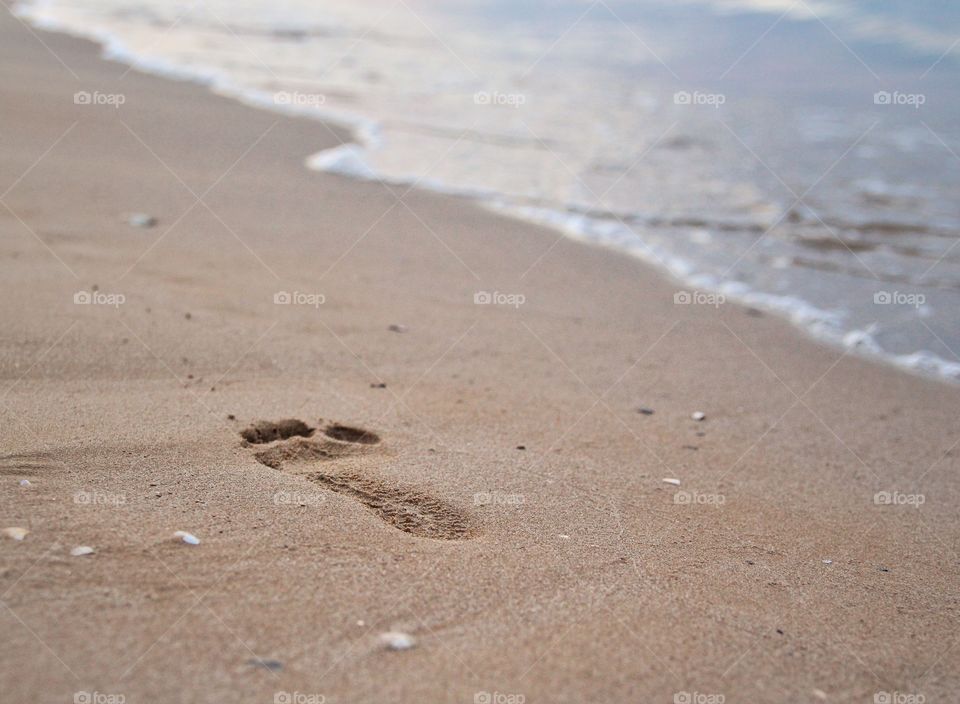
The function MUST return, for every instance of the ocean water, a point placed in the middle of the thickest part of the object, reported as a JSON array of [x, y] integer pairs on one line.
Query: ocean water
[[802, 156]]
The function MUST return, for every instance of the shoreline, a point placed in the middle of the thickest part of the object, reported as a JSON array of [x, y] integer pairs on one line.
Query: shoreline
[[580, 575], [821, 325]]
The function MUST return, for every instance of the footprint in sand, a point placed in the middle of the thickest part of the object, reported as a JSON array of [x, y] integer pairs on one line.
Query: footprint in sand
[[27, 465], [296, 448]]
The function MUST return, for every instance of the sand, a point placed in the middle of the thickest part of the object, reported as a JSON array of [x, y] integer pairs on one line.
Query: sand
[[567, 571]]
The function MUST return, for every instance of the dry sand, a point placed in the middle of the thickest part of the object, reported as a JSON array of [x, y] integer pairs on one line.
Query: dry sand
[[567, 571]]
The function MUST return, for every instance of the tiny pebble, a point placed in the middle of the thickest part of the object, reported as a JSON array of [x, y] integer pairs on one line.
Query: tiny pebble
[[186, 537], [15, 533], [395, 640], [24, 482], [563, 536], [271, 665], [820, 694], [671, 480], [698, 415], [142, 220], [646, 411], [381, 385], [521, 447], [82, 550], [397, 328], [361, 622]]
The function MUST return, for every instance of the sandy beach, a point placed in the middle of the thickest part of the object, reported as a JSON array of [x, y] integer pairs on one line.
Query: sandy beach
[[488, 411]]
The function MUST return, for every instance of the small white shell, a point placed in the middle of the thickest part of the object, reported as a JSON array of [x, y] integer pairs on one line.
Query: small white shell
[[671, 480], [25, 482], [396, 640], [142, 220], [698, 415], [82, 550], [15, 533], [827, 562], [186, 537]]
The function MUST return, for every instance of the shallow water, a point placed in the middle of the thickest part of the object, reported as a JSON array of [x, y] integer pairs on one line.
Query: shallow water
[[799, 156]]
